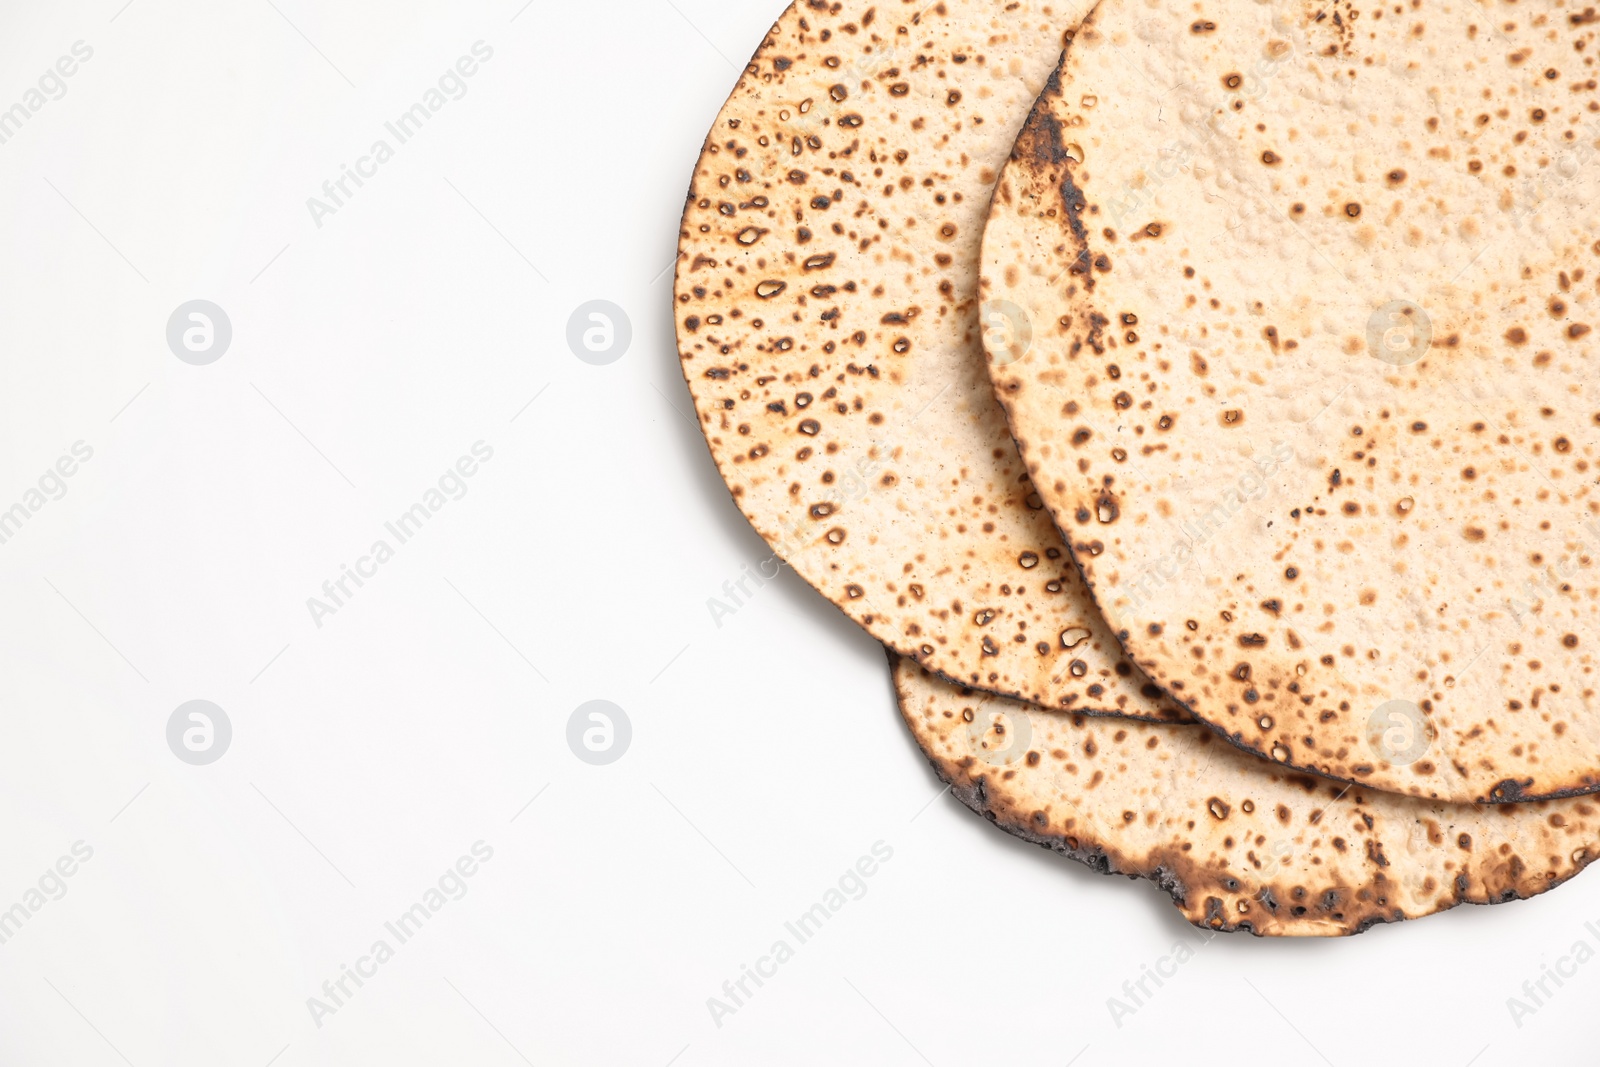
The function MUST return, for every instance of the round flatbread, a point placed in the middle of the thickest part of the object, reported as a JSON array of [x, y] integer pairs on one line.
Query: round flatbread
[[828, 329], [1240, 844], [1312, 387]]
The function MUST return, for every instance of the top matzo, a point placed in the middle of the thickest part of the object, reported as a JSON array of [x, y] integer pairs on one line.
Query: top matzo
[[1312, 382]]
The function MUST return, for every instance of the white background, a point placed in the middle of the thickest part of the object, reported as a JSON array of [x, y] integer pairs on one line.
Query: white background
[[368, 354]]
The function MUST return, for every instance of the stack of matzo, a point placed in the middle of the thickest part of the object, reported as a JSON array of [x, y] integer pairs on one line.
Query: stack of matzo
[[1289, 314]]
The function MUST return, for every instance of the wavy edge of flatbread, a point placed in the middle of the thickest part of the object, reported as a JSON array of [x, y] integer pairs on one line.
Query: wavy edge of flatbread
[[1484, 868]]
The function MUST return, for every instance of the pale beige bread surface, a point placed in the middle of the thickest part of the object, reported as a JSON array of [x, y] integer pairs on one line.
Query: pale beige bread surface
[[1312, 385], [1239, 843], [827, 324]]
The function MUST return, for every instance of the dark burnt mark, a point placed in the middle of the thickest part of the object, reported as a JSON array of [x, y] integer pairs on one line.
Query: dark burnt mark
[[1041, 145], [1509, 790], [1098, 323], [1074, 200], [1373, 920], [1040, 141]]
